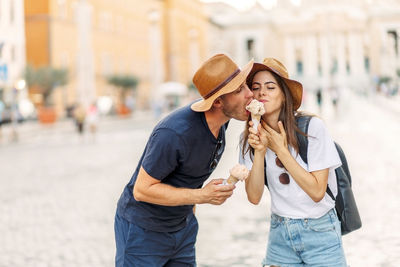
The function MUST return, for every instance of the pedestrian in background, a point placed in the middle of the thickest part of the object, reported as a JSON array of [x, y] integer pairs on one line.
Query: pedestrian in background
[[2, 107], [304, 230], [335, 99], [92, 118], [79, 117], [154, 223], [318, 96]]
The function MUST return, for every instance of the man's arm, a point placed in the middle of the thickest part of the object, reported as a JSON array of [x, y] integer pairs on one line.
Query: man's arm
[[151, 190]]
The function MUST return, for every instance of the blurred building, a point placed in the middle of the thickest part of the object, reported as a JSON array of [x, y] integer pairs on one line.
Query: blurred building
[[12, 46], [154, 40], [324, 43]]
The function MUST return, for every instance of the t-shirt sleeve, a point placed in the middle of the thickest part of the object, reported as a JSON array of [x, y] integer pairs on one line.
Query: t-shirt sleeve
[[322, 153], [163, 153]]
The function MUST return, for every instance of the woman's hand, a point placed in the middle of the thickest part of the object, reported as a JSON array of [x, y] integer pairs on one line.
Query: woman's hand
[[257, 139], [277, 142]]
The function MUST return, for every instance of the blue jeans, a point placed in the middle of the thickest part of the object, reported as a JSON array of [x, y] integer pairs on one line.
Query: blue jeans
[[138, 247], [305, 242]]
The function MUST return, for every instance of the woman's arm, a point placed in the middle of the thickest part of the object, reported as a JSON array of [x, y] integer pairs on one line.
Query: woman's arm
[[313, 183], [255, 181]]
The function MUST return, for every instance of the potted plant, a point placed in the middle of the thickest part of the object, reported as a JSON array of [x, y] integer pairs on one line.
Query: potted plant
[[125, 83], [44, 80]]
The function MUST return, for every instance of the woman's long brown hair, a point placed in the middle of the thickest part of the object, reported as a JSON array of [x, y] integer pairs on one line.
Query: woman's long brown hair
[[287, 116]]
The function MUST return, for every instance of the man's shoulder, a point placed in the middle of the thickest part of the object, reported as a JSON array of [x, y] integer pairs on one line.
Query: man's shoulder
[[181, 121]]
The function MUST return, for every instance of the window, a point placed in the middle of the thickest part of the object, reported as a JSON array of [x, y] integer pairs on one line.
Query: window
[[1, 49], [334, 67], [250, 48], [299, 61], [366, 64], [319, 69], [347, 53], [299, 67], [106, 64], [13, 54], [393, 34], [12, 10], [348, 69]]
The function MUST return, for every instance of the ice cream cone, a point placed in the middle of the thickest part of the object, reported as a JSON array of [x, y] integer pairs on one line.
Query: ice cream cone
[[232, 180], [237, 173], [256, 109], [255, 118]]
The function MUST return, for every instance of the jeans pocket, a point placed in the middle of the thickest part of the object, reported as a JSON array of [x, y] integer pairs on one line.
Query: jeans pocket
[[274, 222], [323, 224]]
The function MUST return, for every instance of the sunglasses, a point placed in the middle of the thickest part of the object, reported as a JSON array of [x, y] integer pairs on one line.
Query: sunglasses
[[216, 155], [284, 177]]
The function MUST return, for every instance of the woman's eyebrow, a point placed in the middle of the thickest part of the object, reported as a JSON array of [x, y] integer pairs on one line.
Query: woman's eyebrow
[[264, 83]]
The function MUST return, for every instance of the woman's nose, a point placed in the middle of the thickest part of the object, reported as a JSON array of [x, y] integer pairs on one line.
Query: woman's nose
[[263, 90]]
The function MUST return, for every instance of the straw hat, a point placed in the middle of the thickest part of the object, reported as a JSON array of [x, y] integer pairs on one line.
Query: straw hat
[[219, 75], [273, 65]]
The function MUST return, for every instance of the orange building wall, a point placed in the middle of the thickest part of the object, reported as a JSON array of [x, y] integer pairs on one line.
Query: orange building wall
[[182, 17], [37, 32], [52, 39]]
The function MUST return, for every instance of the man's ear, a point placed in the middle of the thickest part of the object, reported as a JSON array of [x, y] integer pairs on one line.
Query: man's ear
[[218, 103]]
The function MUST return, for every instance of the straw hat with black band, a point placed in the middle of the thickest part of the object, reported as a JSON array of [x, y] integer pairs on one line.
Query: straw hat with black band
[[218, 76], [273, 65]]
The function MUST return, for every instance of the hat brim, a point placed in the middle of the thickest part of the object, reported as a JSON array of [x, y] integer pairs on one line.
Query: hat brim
[[295, 87], [205, 104]]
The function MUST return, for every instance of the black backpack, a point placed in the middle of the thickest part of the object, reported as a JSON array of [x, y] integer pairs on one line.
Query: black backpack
[[345, 206]]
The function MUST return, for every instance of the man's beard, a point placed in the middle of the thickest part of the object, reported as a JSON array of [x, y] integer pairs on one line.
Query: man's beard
[[231, 112]]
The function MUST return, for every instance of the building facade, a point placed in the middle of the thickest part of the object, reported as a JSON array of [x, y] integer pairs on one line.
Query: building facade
[[154, 40], [325, 44], [12, 46]]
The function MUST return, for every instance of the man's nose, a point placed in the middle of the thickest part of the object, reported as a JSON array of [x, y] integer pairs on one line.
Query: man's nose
[[249, 92]]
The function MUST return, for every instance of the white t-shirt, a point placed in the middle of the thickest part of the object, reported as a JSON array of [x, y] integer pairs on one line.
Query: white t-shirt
[[289, 200]]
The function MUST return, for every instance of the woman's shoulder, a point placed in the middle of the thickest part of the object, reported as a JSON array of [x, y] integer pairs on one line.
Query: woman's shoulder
[[317, 120], [317, 128]]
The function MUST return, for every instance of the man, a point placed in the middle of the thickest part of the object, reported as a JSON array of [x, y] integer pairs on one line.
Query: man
[[154, 222]]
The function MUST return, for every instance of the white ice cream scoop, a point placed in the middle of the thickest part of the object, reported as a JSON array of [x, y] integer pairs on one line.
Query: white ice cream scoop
[[256, 109]]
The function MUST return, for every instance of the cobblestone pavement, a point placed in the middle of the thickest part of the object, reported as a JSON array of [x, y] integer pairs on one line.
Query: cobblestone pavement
[[58, 193]]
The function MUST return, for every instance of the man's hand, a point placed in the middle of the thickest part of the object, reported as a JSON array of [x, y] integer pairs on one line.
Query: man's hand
[[215, 193]]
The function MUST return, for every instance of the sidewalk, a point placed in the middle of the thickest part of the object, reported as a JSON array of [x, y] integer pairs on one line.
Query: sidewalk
[[32, 129]]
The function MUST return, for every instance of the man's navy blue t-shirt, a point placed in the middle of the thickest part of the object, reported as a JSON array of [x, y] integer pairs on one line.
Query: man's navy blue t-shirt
[[179, 152]]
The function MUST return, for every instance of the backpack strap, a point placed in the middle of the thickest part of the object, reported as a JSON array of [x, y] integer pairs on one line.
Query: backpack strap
[[302, 123]]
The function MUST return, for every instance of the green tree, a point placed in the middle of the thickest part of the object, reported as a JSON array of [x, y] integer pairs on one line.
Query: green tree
[[125, 83], [384, 79], [45, 79]]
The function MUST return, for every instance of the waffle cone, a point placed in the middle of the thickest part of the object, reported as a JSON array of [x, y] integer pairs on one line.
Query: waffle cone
[[232, 180], [255, 118]]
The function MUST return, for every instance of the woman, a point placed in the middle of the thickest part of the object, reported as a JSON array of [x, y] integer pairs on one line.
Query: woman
[[304, 227]]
